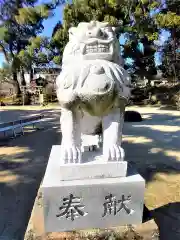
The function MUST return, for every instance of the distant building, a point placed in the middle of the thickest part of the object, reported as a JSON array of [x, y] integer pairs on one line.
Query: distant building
[[49, 74], [7, 88], [46, 70]]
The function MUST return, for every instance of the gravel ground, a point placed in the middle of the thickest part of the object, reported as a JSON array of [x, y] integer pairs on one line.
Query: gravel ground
[[153, 147]]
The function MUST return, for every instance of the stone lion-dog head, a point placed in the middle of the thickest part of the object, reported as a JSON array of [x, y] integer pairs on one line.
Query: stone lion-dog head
[[92, 76]]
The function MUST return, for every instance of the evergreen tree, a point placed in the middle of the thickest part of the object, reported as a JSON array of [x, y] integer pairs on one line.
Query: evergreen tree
[[169, 19], [143, 58], [21, 20], [131, 18], [87, 10]]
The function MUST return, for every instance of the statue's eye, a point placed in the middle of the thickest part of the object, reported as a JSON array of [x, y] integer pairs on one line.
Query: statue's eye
[[103, 34]]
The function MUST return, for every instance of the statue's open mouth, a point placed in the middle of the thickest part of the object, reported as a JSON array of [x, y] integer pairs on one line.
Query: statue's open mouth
[[101, 47], [97, 48]]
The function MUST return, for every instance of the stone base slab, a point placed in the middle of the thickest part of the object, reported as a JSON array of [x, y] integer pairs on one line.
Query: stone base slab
[[35, 229], [92, 166], [90, 203]]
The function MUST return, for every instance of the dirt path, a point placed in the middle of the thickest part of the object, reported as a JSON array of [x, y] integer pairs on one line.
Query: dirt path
[[153, 147]]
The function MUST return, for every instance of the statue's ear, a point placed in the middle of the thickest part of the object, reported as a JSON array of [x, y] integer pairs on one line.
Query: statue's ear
[[104, 24], [115, 29]]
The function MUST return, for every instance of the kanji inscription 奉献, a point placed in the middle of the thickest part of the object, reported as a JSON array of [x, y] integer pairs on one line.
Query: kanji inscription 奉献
[[113, 205], [71, 208]]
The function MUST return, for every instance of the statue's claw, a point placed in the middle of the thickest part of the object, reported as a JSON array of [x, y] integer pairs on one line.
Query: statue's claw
[[114, 153], [71, 154]]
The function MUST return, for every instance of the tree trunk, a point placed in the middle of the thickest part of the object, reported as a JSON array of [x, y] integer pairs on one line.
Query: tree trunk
[[23, 82], [174, 53], [16, 83]]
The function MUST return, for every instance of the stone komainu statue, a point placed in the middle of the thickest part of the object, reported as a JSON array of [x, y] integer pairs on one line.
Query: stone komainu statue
[[92, 88]]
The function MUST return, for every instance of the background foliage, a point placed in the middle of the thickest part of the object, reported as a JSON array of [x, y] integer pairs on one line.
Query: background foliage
[[140, 22]]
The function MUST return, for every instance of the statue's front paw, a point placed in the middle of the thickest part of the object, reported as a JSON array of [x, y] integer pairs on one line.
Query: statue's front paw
[[70, 154], [114, 153]]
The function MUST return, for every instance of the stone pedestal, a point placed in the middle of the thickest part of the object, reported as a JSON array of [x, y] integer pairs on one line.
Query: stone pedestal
[[100, 202], [92, 166]]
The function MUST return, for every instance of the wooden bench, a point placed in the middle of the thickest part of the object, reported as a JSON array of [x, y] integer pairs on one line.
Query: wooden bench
[[20, 124]]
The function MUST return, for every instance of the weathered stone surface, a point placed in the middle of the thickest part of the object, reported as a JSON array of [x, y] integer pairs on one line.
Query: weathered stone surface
[[35, 229], [93, 203]]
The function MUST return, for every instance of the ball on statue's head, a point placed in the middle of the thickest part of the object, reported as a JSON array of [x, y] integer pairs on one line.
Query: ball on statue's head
[[132, 116]]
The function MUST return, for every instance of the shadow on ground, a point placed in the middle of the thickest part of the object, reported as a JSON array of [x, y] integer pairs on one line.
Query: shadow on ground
[[151, 146], [22, 166]]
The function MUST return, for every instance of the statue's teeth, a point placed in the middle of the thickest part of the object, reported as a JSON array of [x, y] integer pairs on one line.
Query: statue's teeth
[[96, 48]]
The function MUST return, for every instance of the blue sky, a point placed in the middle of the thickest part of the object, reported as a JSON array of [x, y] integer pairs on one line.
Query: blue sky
[[51, 22], [58, 14]]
